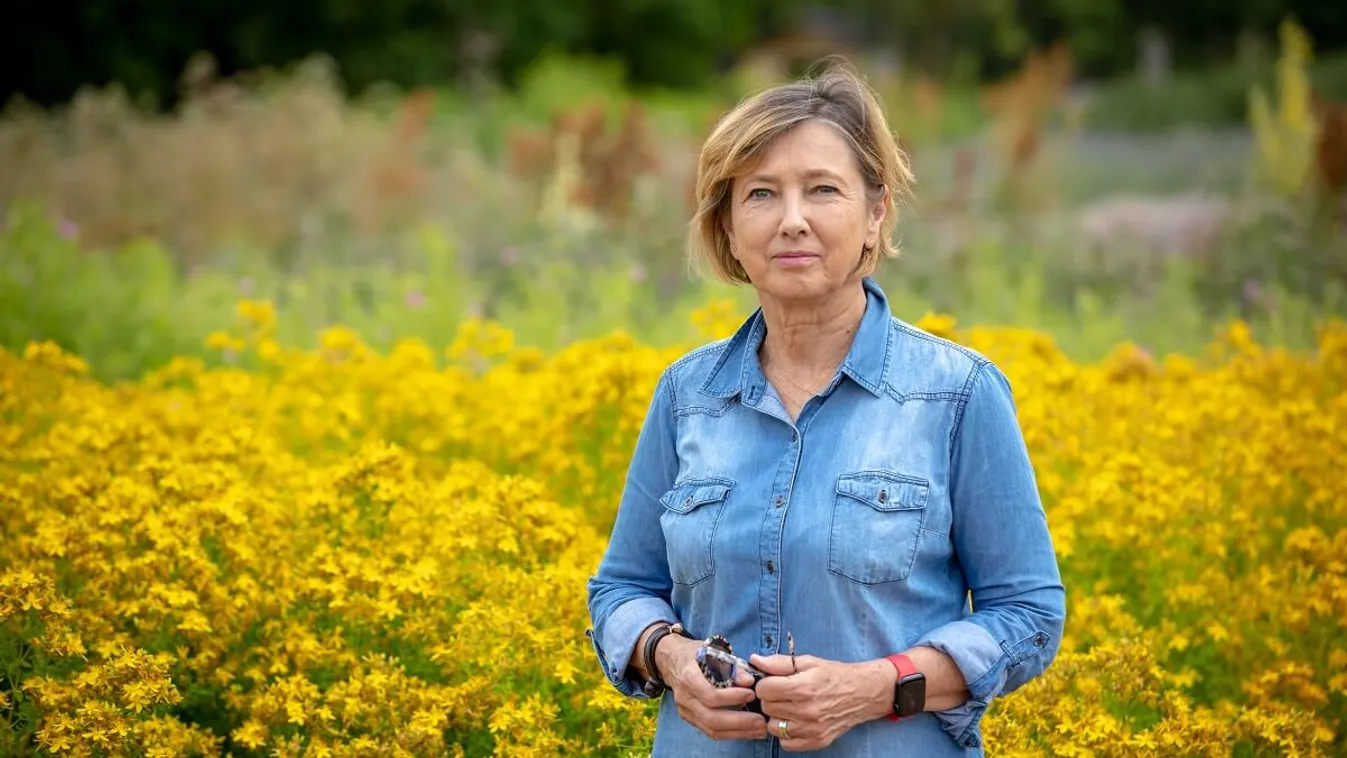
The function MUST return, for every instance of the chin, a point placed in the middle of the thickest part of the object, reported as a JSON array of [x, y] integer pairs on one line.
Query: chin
[[796, 285]]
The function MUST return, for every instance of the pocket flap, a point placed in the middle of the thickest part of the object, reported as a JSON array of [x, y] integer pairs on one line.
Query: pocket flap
[[695, 493], [884, 491]]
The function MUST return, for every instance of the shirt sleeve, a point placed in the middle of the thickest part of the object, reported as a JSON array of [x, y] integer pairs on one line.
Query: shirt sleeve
[[1001, 540], [631, 587]]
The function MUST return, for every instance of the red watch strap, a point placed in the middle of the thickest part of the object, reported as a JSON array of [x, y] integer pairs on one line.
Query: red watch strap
[[905, 668]]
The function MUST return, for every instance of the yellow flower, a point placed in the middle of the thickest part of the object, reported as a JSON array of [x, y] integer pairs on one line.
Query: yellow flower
[[938, 324], [355, 552]]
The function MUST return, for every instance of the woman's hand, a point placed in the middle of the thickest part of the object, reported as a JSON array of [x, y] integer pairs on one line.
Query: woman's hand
[[824, 699], [709, 708]]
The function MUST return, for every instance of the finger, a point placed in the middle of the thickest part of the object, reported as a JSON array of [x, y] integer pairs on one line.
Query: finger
[[777, 710], [730, 697], [776, 665], [800, 734], [724, 724], [694, 684], [732, 725], [782, 665], [804, 735], [702, 691], [758, 733], [791, 687]]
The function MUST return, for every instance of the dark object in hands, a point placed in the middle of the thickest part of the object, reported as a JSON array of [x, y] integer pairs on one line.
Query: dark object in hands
[[721, 667]]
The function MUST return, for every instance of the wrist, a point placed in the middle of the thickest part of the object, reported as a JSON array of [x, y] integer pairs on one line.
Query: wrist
[[640, 666], [881, 678], [657, 669], [909, 693], [666, 657]]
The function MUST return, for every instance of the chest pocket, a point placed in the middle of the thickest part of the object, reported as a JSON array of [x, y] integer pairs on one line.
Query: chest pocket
[[692, 511], [876, 526]]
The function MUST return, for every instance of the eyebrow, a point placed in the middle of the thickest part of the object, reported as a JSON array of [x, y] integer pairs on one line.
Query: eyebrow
[[810, 174]]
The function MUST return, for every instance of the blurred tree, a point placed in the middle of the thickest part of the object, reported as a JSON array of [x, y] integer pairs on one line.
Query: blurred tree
[[1100, 33], [58, 45], [144, 44]]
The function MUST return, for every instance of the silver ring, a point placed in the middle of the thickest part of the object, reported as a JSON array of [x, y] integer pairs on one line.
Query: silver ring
[[782, 729]]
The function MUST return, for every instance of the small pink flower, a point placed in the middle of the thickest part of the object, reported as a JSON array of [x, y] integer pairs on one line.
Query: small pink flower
[[68, 229], [415, 299]]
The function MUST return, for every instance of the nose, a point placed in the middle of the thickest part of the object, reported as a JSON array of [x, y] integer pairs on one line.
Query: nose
[[793, 222]]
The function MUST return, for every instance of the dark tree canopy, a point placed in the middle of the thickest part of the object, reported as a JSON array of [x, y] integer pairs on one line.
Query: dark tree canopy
[[58, 45]]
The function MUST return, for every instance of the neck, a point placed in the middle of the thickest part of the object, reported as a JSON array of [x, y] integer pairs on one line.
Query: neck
[[812, 338]]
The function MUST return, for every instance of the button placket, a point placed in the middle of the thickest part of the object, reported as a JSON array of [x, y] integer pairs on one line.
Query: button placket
[[772, 534]]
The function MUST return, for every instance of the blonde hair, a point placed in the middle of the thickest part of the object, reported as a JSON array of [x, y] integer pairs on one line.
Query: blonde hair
[[838, 97]]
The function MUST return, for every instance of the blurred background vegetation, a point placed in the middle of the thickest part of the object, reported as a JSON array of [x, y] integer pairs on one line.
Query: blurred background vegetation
[[1106, 171]]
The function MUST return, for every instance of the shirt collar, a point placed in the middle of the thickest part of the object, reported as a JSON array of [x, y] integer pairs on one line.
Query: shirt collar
[[738, 370]]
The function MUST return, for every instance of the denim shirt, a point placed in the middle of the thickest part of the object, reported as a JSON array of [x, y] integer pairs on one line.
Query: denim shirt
[[900, 509]]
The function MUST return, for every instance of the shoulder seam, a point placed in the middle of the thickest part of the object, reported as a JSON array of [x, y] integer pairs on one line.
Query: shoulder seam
[[966, 394], [671, 371], [977, 359], [669, 382], [698, 352], [941, 341]]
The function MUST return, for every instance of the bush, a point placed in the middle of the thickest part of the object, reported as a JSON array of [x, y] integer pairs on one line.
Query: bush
[[359, 552], [1212, 98]]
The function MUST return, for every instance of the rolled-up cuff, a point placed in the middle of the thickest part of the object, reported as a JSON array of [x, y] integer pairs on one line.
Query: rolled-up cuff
[[623, 628], [981, 660]]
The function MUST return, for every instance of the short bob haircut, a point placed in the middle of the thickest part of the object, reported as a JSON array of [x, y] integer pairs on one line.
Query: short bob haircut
[[838, 97]]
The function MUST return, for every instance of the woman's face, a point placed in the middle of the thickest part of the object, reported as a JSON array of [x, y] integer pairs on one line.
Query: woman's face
[[800, 217]]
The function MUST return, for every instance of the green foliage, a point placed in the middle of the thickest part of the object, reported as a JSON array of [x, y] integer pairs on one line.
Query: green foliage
[[123, 310], [1210, 97], [128, 311]]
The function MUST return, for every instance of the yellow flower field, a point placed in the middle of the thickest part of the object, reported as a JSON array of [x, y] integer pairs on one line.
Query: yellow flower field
[[341, 553]]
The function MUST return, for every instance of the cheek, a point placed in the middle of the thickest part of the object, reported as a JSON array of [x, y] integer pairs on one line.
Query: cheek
[[755, 225], [840, 223]]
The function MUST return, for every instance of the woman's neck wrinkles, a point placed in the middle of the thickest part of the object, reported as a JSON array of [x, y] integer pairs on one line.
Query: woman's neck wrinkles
[[812, 340]]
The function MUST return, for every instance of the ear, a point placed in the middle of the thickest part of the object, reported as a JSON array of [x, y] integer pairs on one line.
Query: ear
[[729, 233], [878, 210]]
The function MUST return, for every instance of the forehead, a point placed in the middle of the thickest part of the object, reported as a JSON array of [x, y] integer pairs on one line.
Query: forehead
[[809, 147]]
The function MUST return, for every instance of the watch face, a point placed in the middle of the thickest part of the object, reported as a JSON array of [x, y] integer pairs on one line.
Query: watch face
[[911, 695]]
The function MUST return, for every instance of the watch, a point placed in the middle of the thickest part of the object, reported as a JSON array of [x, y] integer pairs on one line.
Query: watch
[[909, 693]]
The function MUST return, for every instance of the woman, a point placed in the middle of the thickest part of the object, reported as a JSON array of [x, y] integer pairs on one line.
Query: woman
[[829, 477]]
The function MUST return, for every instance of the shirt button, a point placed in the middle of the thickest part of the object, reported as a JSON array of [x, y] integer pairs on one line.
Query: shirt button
[[768, 639], [771, 567], [780, 501]]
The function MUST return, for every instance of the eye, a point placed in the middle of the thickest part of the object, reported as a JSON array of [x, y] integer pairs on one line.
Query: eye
[[759, 193], [825, 188]]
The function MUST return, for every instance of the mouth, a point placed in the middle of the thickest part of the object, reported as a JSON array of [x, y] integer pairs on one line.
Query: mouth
[[794, 256]]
